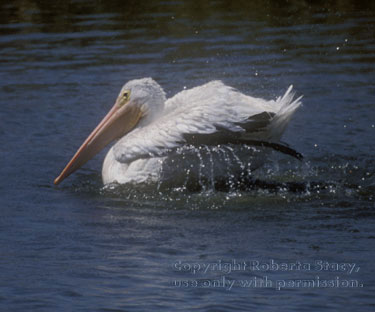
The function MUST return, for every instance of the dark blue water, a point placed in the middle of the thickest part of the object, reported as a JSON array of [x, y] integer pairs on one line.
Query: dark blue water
[[82, 247]]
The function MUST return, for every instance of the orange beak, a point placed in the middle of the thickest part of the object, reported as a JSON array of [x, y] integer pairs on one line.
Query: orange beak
[[119, 121]]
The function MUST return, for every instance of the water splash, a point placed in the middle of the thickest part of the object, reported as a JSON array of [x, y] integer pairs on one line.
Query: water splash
[[211, 162], [208, 176]]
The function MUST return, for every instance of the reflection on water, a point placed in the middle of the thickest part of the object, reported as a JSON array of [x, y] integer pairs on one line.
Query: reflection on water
[[102, 248]]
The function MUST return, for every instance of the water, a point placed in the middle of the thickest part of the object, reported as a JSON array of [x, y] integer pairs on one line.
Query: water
[[83, 247]]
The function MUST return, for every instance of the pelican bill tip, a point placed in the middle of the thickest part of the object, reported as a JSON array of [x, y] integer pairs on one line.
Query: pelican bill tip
[[57, 180]]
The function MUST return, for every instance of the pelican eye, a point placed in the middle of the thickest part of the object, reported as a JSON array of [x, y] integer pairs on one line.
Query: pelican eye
[[126, 95], [124, 98]]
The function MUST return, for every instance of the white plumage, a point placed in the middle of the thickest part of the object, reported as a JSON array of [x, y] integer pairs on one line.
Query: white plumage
[[208, 113]]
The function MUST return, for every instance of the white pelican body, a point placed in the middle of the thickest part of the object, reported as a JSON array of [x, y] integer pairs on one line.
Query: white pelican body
[[148, 126]]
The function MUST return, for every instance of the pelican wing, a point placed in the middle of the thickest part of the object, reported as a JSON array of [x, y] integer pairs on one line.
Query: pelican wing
[[213, 111]]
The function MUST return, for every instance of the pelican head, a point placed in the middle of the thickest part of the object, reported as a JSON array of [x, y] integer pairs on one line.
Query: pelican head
[[140, 99]]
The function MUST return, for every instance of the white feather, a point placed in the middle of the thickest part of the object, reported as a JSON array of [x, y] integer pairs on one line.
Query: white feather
[[207, 109]]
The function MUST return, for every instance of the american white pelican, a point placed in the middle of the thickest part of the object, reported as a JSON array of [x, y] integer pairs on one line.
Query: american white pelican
[[149, 126]]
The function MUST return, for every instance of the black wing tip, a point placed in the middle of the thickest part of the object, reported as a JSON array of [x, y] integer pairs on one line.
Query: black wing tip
[[282, 148]]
